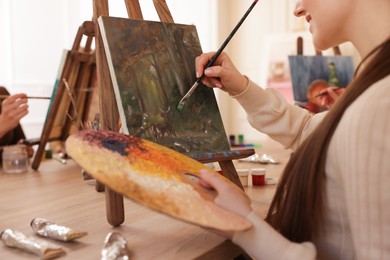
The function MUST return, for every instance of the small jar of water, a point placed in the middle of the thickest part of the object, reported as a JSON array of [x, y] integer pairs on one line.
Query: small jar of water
[[15, 159]]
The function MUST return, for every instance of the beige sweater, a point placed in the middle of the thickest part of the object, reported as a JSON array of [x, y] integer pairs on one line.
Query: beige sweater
[[357, 169]]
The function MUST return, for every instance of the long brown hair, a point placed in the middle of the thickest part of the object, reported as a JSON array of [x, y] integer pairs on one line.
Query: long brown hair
[[298, 205]]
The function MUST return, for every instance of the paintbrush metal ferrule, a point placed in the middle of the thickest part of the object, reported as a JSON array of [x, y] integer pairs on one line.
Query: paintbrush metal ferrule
[[28, 97], [321, 94], [187, 96], [192, 89], [326, 92]]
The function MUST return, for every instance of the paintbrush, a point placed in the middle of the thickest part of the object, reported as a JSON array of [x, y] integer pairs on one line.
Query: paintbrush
[[324, 93], [28, 97], [182, 102]]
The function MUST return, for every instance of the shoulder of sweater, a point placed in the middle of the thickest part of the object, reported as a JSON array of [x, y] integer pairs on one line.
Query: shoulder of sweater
[[375, 96]]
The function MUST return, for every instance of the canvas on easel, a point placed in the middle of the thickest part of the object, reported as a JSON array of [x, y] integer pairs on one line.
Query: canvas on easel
[[72, 93], [152, 67], [305, 69], [311, 74]]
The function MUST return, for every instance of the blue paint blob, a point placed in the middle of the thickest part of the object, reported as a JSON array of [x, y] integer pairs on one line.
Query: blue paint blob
[[116, 146]]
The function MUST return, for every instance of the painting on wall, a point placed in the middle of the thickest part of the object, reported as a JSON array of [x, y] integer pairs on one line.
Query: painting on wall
[[152, 66], [318, 71]]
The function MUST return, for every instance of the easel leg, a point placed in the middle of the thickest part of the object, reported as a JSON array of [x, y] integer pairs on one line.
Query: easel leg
[[229, 171], [114, 207], [99, 187]]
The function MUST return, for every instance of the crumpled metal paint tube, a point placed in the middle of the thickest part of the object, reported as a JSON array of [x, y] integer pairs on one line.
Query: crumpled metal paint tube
[[16, 239], [46, 228], [115, 247]]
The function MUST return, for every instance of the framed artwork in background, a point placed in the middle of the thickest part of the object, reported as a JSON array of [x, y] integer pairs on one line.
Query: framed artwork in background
[[306, 69]]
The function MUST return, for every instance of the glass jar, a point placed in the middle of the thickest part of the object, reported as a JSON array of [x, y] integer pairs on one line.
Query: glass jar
[[15, 159]]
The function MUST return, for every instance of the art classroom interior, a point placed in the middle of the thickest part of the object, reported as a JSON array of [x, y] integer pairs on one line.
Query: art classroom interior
[[31, 53], [25, 44]]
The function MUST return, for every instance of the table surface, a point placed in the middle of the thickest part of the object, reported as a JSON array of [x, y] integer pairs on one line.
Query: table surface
[[58, 193]]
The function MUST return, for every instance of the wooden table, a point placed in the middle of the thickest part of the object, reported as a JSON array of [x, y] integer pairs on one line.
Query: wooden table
[[58, 193]]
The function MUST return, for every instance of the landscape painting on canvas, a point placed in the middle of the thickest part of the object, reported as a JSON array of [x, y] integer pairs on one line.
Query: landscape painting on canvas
[[152, 66]]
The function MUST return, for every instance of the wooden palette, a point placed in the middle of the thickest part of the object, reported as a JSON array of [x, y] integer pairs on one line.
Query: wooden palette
[[152, 175]]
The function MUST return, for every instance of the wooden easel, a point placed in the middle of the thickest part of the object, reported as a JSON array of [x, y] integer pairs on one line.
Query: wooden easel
[[77, 79], [110, 116]]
